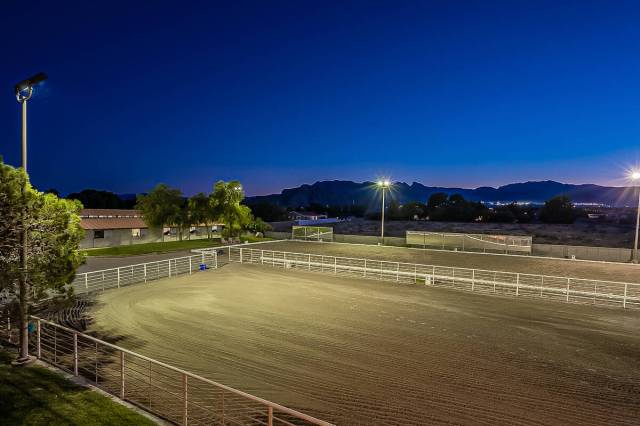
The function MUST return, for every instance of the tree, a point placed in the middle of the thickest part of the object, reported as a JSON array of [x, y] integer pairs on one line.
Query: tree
[[96, 199], [436, 200], [559, 209], [225, 203], [200, 211], [53, 232], [268, 211], [162, 206], [259, 226]]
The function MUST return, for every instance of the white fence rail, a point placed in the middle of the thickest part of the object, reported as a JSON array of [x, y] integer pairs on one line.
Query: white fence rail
[[565, 289], [131, 274], [166, 391], [485, 243]]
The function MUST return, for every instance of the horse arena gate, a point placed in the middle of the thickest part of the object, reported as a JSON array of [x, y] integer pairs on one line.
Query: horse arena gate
[[312, 233], [508, 244]]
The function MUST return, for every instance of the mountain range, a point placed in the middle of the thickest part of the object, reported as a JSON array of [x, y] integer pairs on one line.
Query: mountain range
[[342, 193]]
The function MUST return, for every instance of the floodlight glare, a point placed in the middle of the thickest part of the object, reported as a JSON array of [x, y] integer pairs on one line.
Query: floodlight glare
[[380, 183], [386, 183], [30, 82], [635, 175]]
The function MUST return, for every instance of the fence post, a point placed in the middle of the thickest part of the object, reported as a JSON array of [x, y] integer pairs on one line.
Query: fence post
[[309, 264], [541, 285], [185, 408], [118, 282], [624, 299], [215, 259], [86, 283], [517, 284], [241, 254], [568, 280], [270, 416], [365, 268], [75, 354], [397, 271], [335, 265], [169, 268], [190, 265], [96, 363], [473, 279], [38, 338], [145, 272], [122, 375]]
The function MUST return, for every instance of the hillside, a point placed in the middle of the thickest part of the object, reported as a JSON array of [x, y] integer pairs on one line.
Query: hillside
[[364, 193]]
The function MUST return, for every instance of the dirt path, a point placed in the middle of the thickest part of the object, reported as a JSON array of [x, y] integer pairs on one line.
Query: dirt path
[[364, 352], [524, 264]]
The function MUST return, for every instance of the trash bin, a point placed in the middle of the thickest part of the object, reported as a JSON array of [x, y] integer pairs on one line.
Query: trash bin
[[203, 266]]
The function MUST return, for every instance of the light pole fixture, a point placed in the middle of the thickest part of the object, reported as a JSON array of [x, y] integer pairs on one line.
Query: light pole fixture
[[383, 184], [635, 178], [23, 92]]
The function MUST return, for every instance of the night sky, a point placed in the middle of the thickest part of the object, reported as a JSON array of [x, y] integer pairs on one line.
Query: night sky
[[277, 94]]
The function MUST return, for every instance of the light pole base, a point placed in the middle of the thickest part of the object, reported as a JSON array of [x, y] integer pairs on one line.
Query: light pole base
[[21, 362]]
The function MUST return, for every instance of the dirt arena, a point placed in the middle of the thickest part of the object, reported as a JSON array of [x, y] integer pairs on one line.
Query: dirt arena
[[626, 272], [354, 351]]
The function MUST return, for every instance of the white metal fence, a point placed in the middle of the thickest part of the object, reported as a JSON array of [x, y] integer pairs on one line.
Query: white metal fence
[[485, 243], [312, 233], [131, 274], [565, 289], [166, 391]]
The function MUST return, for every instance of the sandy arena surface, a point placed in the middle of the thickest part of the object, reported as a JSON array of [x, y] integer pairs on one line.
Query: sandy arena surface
[[353, 351], [626, 272]]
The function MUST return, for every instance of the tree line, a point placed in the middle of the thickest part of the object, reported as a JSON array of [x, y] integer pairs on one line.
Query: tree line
[[166, 206], [439, 207]]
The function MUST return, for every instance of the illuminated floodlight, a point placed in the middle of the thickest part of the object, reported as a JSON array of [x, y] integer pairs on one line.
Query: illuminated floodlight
[[386, 183], [635, 175]]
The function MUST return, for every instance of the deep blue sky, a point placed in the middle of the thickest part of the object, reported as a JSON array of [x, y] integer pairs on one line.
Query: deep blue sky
[[277, 94]]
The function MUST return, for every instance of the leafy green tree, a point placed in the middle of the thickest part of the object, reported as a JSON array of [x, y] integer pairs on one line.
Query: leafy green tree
[[559, 209], [200, 211], [259, 226], [225, 202], [53, 234], [162, 206]]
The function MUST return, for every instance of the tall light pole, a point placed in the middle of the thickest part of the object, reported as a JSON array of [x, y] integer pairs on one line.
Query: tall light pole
[[383, 184], [23, 92], [635, 177]]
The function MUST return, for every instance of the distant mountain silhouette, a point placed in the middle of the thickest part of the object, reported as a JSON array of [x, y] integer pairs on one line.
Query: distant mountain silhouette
[[346, 192]]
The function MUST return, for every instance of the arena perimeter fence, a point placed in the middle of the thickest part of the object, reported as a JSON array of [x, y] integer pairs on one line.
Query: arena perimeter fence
[[168, 392], [565, 289], [88, 282]]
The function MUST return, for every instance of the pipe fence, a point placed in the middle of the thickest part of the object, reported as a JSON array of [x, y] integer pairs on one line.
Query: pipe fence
[[88, 282], [166, 391], [565, 289]]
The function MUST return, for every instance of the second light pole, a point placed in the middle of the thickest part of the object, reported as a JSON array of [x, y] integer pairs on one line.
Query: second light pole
[[383, 184]]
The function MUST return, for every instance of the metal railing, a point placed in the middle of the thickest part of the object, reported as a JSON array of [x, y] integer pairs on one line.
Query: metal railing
[[143, 272], [168, 392], [565, 289]]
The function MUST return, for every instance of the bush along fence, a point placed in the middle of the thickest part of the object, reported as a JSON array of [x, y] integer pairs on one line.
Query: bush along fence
[[564, 289]]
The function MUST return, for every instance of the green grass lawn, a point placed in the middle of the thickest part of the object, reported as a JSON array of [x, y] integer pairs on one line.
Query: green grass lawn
[[34, 395], [130, 250]]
